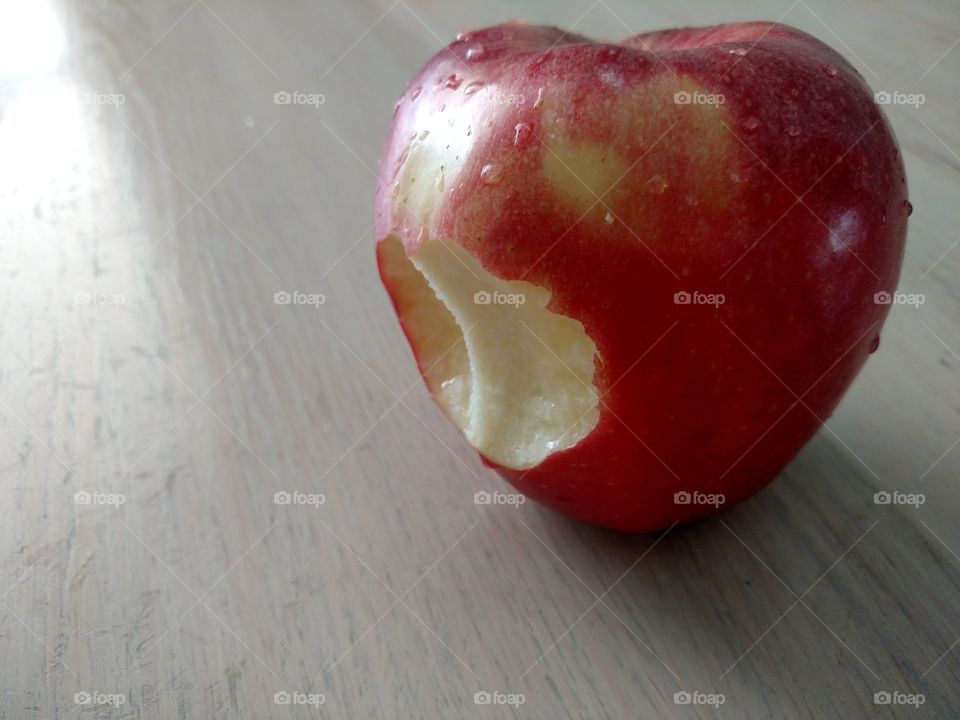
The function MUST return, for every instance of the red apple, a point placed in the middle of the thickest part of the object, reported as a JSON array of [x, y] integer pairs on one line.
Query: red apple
[[639, 276]]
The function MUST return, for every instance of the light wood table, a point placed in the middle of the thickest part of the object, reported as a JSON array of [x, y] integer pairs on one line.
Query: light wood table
[[154, 398]]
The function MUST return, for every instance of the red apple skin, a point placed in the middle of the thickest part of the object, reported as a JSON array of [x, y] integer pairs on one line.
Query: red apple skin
[[694, 397]]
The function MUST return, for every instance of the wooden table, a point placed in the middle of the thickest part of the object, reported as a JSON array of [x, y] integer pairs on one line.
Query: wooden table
[[155, 398]]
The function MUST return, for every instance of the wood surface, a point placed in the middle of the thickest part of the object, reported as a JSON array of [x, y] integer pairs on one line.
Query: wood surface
[[144, 359]]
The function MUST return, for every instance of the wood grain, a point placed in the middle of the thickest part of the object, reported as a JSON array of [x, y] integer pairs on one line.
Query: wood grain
[[145, 360]]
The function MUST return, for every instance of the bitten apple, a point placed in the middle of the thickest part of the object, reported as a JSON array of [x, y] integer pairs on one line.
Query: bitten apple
[[639, 275]]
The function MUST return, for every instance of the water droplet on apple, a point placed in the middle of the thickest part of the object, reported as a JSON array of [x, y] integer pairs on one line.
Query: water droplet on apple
[[829, 71], [751, 123], [396, 189], [874, 344], [539, 101], [424, 134], [521, 133], [907, 208], [608, 218], [793, 130], [412, 135], [401, 161], [453, 82], [739, 51], [657, 185], [416, 93], [472, 87], [464, 35], [491, 174], [443, 106], [440, 180], [477, 52]]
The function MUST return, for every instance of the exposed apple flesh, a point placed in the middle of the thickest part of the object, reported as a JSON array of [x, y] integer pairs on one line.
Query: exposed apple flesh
[[526, 163], [518, 379]]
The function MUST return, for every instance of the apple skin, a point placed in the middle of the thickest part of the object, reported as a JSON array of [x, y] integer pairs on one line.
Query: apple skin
[[694, 397]]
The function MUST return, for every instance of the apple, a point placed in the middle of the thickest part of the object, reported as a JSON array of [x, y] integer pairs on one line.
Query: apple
[[638, 276]]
